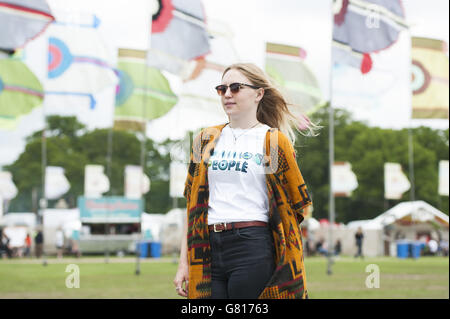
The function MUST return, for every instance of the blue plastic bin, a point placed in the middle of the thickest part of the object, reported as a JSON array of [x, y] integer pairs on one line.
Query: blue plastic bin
[[416, 249], [155, 249], [143, 248], [402, 249]]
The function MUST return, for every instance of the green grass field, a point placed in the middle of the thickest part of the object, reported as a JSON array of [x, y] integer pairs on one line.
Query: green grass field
[[426, 277]]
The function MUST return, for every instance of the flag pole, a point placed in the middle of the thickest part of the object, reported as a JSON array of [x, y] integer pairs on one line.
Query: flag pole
[[331, 208], [43, 200], [143, 153], [108, 172], [412, 192]]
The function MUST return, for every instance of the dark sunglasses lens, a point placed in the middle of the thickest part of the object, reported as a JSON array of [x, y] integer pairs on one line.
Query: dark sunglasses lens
[[234, 87], [221, 89]]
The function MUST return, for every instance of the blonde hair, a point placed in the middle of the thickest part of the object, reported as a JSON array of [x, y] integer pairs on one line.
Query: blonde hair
[[273, 109]]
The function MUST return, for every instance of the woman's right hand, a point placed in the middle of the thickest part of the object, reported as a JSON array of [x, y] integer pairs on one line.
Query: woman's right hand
[[182, 277]]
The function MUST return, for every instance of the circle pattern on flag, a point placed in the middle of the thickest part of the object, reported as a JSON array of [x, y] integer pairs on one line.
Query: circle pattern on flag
[[163, 16], [125, 87], [420, 77], [59, 57]]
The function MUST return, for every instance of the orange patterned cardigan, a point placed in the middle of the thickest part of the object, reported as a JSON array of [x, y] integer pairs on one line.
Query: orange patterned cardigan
[[287, 196]]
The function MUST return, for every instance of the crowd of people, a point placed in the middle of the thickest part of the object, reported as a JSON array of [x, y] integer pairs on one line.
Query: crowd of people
[[63, 246]]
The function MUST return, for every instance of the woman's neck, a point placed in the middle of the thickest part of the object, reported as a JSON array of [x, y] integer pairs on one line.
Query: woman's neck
[[243, 123]]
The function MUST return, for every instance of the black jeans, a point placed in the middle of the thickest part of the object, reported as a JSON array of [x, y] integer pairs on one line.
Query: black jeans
[[242, 262]]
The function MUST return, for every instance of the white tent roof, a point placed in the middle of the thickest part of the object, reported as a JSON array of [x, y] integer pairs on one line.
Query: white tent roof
[[18, 219], [365, 224], [417, 211]]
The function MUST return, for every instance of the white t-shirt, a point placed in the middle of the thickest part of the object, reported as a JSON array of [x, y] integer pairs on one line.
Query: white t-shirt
[[237, 184]]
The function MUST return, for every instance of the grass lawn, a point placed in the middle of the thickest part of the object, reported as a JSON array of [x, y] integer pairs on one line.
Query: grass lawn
[[426, 277]]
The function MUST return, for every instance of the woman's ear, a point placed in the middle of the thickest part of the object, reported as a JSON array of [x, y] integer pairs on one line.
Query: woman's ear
[[259, 95]]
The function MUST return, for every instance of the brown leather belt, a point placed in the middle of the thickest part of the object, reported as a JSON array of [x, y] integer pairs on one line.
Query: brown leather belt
[[219, 227]]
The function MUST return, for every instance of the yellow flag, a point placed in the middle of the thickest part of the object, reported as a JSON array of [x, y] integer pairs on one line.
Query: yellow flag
[[429, 79]]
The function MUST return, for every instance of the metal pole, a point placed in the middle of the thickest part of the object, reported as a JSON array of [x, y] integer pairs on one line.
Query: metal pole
[[331, 155], [412, 193], [108, 172], [143, 165], [43, 201]]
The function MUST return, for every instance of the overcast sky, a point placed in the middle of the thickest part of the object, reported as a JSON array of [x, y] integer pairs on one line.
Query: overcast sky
[[303, 23]]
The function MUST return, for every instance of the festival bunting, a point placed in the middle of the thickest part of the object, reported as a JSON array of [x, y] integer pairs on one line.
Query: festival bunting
[[362, 27], [395, 181], [95, 181], [136, 183], [56, 183], [20, 92], [143, 92], [443, 178], [178, 35], [344, 179], [8, 189], [21, 21], [430, 77]]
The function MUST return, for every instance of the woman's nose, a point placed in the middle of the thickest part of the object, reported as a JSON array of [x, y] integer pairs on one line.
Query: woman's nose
[[228, 92]]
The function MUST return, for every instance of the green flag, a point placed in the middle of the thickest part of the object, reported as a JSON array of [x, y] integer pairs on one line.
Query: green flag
[[143, 92], [284, 64], [20, 92]]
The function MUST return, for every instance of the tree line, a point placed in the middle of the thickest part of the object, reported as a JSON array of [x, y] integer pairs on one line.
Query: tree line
[[71, 146]]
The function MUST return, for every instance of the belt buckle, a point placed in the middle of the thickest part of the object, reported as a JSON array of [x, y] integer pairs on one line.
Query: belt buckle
[[219, 231]]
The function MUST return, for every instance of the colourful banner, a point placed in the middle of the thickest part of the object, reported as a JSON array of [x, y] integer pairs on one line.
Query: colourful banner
[[362, 27], [113, 209], [143, 92], [430, 77], [21, 21], [20, 92], [285, 65], [178, 35]]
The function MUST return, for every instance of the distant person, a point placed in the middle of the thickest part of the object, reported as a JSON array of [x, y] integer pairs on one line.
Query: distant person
[[321, 247], [4, 245], [433, 247], [39, 242], [59, 243], [338, 248], [359, 236], [444, 247], [27, 251]]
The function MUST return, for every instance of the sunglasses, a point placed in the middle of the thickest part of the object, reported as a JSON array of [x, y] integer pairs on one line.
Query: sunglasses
[[234, 88]]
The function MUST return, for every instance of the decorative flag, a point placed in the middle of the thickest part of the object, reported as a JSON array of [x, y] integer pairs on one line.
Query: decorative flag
[[56, 183], [8, 189], [395, 181], [20, 92], [443, 178], [198, 100], [344, 179], [178, 35], [95, 181], [285, 65], [21, 21], [177, 178], [362, 27], [136, 183], [79, 63], [143, 92], [429, 79]]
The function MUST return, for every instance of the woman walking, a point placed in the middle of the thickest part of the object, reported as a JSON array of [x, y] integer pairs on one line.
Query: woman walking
[[245, 198]]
